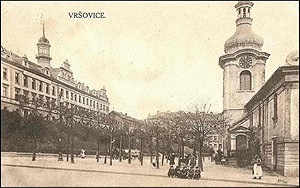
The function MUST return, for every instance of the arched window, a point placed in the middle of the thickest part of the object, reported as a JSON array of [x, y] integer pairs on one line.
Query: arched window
[[245, 80], [244, 12]]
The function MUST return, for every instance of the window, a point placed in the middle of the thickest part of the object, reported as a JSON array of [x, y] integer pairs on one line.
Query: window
[[244, 12], [41, 86], [5, 73], [67, 94], [97, 105], [100, 106], [33, 84], [5, 90], [17, 75], [53, 90], [47, 88], [94, 104], [79, 99], [87, 101], [17, 92], [25, 81], [107, 109], [75, 97], [245, 80], [71, 96], [83, 100], [91, 102], [61, 92]]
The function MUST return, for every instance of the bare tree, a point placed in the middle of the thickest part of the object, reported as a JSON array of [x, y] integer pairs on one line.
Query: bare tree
[[201, 123]]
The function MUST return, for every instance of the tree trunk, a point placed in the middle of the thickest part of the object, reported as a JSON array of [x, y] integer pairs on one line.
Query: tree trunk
[[120, 153], [157, 154], [110, 148], [182, 147], [142, 154], [179, 154], [163, 155], [150, 150], [98, 150], [34, 149], [72, 148], [129, 152], [200, 162], [106, 148], [68, 145]]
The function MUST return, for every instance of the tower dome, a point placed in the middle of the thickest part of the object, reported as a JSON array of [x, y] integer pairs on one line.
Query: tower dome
[[243, 37]]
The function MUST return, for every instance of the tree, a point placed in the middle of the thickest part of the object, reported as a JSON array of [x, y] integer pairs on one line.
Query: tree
[[10, 123], [35, 128], [202, 123]]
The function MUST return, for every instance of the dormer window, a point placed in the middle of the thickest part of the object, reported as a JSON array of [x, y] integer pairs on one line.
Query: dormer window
[[47, 72]]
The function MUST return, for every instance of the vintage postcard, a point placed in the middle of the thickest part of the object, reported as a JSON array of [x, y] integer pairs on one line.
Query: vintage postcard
[[149, 93]]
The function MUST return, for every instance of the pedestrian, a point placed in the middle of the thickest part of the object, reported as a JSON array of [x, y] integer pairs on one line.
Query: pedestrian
[[197, 173], [257, 170], [172, 159], [212, 153], [82, 154], [171, 172], [184, 172], [219, 152], [177, 171], [191, 173], [193, 161]]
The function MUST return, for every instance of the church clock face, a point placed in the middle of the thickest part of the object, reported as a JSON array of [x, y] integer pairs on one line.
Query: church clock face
[[245, 62]]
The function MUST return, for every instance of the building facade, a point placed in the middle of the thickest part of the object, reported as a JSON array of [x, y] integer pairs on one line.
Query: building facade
[[21, 76], [271, 108]]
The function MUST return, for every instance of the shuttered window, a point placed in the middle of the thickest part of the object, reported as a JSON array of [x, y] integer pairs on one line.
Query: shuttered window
[[245, 80]]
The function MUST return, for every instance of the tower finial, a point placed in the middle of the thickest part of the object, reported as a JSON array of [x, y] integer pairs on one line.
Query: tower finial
[[43, 29]]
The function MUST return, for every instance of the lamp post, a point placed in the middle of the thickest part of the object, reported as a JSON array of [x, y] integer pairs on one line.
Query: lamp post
[[60, 155]]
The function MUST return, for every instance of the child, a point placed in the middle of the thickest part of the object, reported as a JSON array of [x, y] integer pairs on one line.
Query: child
[[191, 173], [184, 172], [171, 172], [197, 173], [177, 171]]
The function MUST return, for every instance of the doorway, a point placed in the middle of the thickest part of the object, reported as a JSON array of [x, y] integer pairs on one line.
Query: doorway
[[274, 153]]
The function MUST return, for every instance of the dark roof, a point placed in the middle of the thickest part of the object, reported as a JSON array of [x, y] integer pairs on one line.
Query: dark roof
[[126, 117], [271, 82]]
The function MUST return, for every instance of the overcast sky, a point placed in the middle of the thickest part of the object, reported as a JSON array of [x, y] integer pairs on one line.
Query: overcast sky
[[150, 56]]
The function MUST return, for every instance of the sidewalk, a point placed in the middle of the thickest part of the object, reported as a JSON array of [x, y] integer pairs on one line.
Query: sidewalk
[[211, 172]]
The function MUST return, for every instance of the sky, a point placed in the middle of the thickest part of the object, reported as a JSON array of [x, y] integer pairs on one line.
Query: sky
[[150, 56]]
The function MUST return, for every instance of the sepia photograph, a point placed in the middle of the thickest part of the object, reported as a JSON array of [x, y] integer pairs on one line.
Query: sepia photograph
[[149, 94]]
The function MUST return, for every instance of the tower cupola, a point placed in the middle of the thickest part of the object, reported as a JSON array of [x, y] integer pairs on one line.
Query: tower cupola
[[43, 56], [243, 37]]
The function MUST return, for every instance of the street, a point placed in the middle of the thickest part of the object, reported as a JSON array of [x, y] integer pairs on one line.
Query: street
[[47, 171]]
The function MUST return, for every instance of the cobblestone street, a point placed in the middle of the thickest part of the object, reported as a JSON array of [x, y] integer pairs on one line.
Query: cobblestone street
[[47, 171]]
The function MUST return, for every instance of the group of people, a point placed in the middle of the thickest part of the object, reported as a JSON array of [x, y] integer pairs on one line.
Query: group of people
[[184, 172]]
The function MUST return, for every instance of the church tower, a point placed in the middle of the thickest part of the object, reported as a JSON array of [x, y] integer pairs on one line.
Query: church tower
[[243, 64], [43, 56]]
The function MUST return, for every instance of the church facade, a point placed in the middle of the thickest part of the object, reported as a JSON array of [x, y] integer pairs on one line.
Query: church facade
[[248, 101], [22, 77]]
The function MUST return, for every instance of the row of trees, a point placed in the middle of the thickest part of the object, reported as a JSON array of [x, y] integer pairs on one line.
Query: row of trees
[[158, 134]]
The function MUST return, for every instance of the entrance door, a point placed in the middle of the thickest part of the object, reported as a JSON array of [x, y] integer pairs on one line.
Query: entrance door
[[241, 142], [275, 150]]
